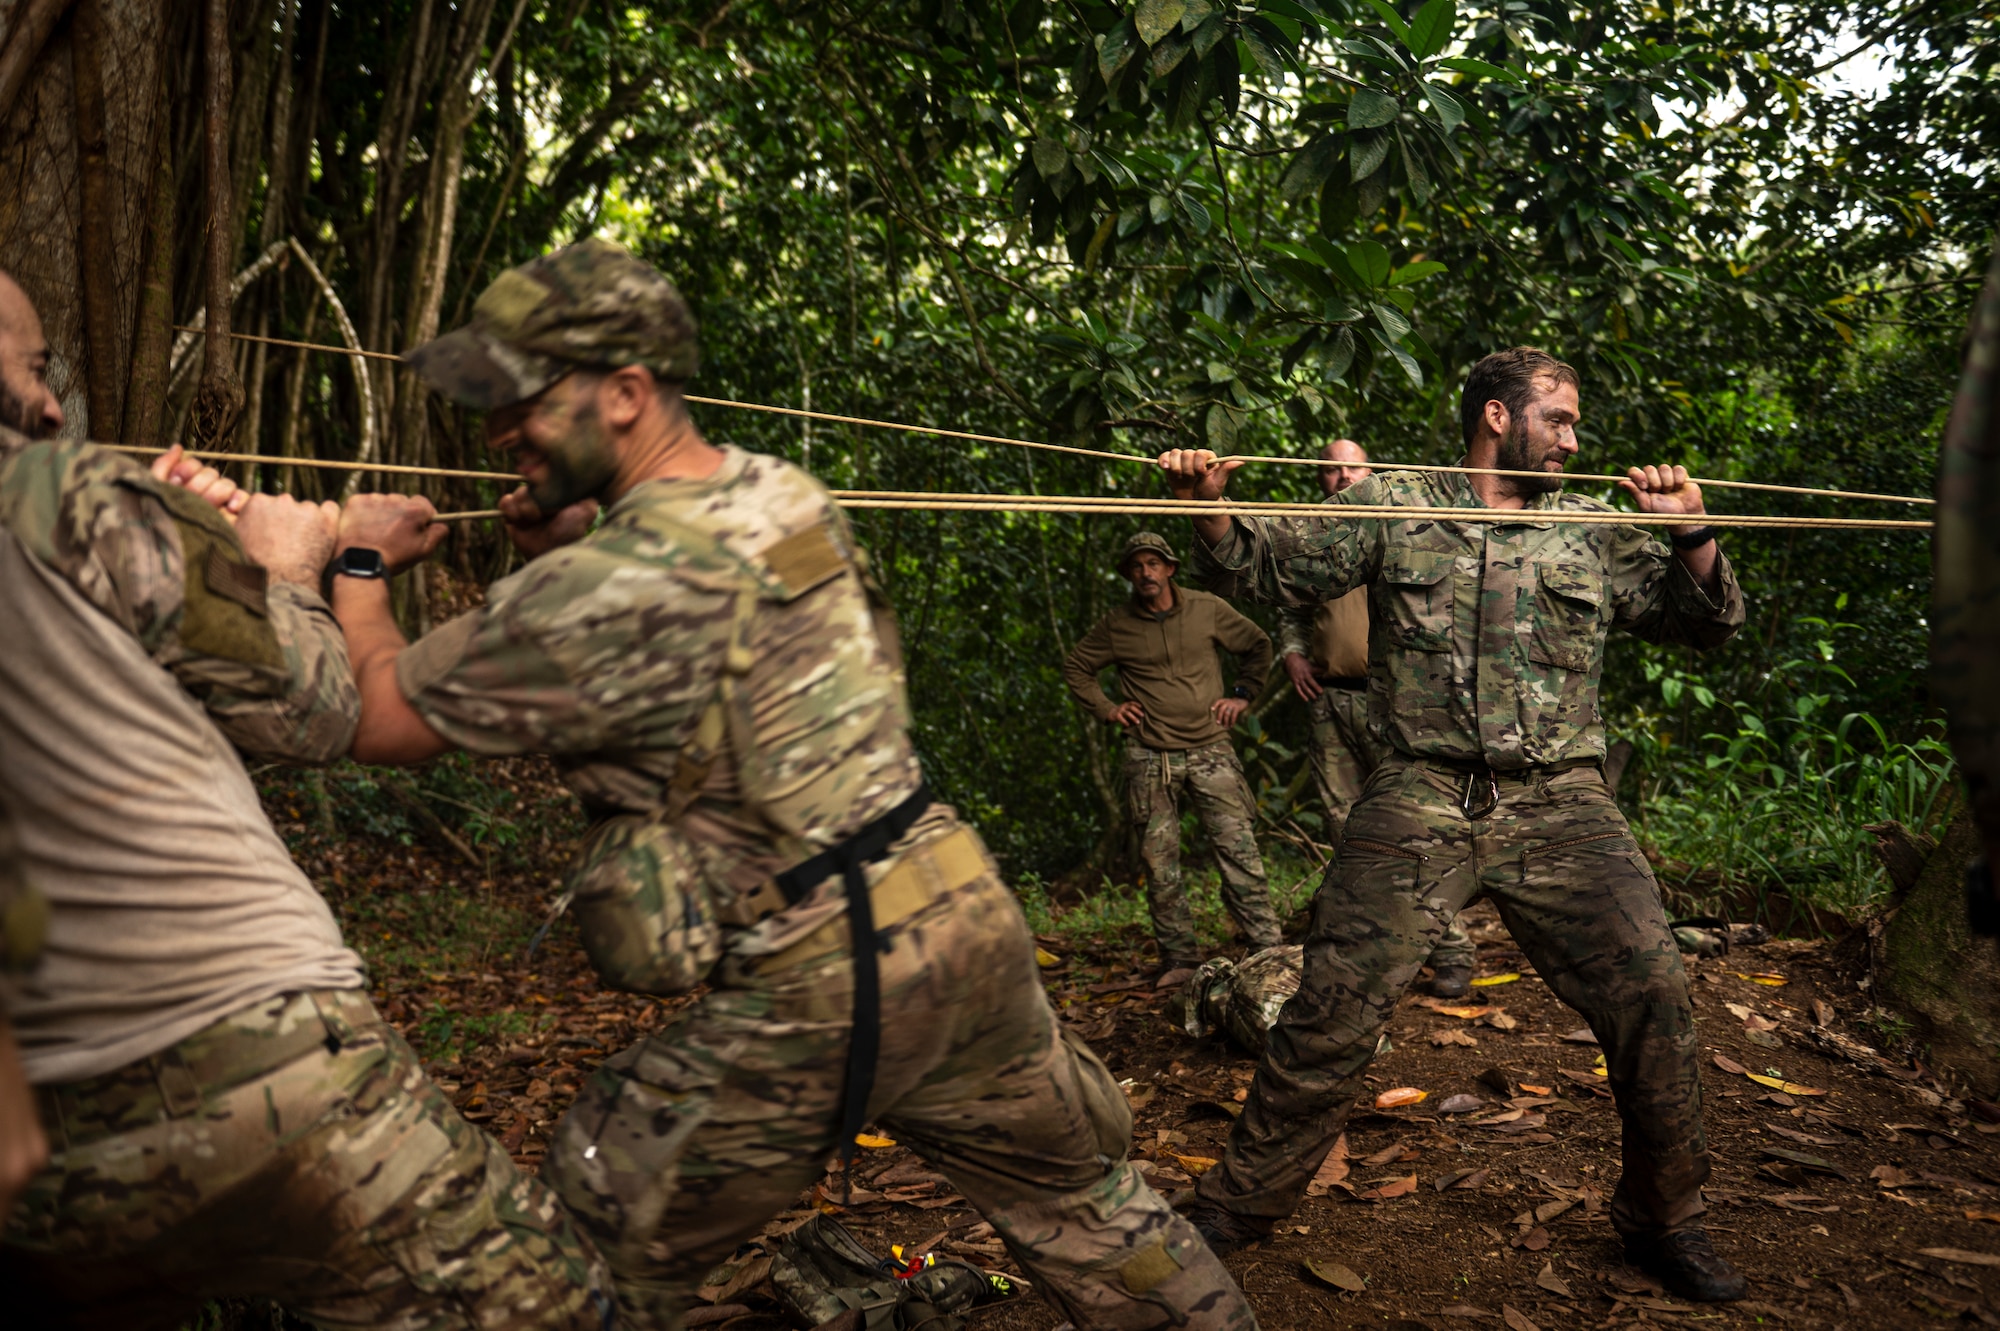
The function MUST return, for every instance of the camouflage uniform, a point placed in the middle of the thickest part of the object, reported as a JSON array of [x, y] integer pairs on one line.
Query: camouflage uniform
[[1486, 645], [288, 1147], [1212, 777], [710, 671], [1342, 756]]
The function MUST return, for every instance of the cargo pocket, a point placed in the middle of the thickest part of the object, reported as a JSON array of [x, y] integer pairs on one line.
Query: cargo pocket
[[1416, 599], [1568, 616], [644, 908]]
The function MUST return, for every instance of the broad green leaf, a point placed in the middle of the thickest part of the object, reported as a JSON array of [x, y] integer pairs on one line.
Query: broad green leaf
[[1392, 18], [1218, 373], [1117, 48], [1478, 68], [1401, 357], [1449, 109], [1050, 157], [1196, 215], [1261, 49], [1415, 272], [1371, 262], [1413, 170], [1296, 13], [1339, 354], [1368, 153], [1168, 55], [1311, 166], [1431, 29], [1154, 19], [1221, 429], [1394, 325], [1370, 109], [1159, 208]]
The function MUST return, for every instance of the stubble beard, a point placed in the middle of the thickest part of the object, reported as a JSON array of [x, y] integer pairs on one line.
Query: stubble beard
[[1517, 454], [16, 415], [581, 465]]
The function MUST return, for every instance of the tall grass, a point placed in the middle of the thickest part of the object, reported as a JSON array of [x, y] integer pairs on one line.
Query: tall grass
[[1777, 790]]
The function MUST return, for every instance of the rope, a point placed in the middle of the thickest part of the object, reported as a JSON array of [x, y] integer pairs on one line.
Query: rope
[[1603, 478], [927, 501]]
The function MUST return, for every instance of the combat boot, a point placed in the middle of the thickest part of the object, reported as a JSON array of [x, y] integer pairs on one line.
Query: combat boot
[[1687, 1264], [1451, 981], [1224, 1230]]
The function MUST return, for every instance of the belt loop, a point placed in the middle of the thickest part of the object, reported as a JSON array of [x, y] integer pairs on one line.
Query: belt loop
[[339, 1030], [180, 1093]]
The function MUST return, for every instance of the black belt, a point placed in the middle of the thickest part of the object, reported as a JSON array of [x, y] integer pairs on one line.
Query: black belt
[[1481, 791], [1348, 682], [848, 859]]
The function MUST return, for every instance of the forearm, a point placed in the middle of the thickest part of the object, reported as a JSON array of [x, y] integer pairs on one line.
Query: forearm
[[390, 731], [1704, 565]]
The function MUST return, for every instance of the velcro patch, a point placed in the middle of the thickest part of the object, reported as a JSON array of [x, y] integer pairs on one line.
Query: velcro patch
[[805, 559], [246, 584], [1147, 1270]]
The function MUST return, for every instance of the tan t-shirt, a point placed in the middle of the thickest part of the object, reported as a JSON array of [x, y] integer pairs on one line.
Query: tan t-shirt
[[172, 900]]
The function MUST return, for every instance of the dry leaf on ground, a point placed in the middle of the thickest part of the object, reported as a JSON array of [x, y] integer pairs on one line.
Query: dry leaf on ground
[[1333, 1273], [1453, 1036], [1487, 981], [1400, 1096], [1552, 1282], [1731, 1066], [1962, 1256], [1388, 1189], [1460, 1104], [1516, 1319], [1332, 1170]]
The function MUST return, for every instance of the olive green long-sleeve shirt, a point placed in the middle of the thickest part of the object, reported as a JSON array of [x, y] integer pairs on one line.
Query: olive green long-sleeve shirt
[[1167, 663], [1486, 640]]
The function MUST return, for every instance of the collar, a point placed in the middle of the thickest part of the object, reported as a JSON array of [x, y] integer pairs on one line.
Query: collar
[[734, 461], [1455, 489], [1157, 616]]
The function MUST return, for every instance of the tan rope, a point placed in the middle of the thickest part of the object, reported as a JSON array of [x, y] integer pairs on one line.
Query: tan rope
[[1605, 478]]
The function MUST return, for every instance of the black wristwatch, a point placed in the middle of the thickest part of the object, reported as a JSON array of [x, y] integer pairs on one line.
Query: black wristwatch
[[1242, 691], [358, 561], [1692, 540]]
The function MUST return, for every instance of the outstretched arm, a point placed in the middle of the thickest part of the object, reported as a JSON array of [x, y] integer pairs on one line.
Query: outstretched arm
[[400, 527]]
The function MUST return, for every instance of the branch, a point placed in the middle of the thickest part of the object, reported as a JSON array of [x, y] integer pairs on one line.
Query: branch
[[32, 21]]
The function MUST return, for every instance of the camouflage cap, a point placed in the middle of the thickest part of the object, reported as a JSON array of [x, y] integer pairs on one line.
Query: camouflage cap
[[588, 304], [1147, 540]]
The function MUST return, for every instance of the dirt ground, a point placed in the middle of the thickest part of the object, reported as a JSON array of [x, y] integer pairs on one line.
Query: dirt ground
[[1828, 1202]]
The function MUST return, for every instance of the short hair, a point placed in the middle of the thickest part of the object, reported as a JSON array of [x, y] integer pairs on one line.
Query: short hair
[[1507, 377]]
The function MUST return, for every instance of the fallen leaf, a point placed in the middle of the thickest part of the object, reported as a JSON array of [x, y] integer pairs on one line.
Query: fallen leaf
[[1467, 1179], [1400, 1096], [1731, 1066], [1822, 1012], [1582, 1036], [1771, 978], [1498, 1020], [1962, 1256], [1045, 959], [1994, 1216], [1465, 1310], [1552, 1282], [1462, 1011], [1195, 1164], [1536, 1090], [1398, 1152], [1780, 1084], [1534, 1240], [874, 1143], [1389, 1189], [1460, 1104], [1505, 1116], [1812, 1162], [1516, 1319], [1793, 1134], [1333, 1273], [1738, 1011], [1453, 1036], [1141, 1096], [1548, 1211], [1801, 1201], [1631, 1280], [1332, 1170], [1485, 981]]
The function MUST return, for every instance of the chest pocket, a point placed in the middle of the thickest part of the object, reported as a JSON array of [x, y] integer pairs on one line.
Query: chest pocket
[[1569, 616], [1415, 599]]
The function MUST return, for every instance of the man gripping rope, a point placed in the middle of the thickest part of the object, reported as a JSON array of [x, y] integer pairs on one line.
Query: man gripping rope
[[1483, 677], [711, 668]]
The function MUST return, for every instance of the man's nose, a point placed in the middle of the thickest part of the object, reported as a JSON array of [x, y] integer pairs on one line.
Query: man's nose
[[52, 413]]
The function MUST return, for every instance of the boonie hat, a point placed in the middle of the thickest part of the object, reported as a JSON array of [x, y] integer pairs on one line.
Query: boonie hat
[[591, 304], [1146, 540]]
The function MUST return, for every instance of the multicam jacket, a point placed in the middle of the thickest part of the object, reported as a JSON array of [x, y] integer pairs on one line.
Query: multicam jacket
[[1486, 639], [708, 669]]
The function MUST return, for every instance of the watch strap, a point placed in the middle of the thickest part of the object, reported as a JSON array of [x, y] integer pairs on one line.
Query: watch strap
[[1692, 540]]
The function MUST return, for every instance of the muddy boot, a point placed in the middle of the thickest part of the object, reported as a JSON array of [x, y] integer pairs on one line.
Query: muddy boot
[[1225, 1230], [1451, 981], [1688, 1265]]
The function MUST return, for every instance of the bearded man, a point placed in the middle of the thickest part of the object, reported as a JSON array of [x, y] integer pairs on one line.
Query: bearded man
[[1483, 677]]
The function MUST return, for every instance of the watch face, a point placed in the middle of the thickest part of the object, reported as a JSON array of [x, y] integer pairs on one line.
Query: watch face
[[360, 562]]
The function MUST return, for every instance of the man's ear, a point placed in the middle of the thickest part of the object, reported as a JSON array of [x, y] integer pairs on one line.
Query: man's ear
[[1496, 417], [624, 395]]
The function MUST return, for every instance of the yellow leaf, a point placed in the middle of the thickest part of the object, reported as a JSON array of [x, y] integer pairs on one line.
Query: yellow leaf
[[1401, 1095], [1508, 978], [1771, 978], [1046, 959], [1195, 1164], [874, 1143]]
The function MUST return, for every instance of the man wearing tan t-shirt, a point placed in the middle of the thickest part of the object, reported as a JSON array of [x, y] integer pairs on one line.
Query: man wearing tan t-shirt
[[1325, 653], [225, 1113]]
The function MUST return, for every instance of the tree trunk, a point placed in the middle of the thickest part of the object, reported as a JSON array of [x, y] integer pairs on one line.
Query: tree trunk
[[1932, 969], [96, 260], [218, 400]]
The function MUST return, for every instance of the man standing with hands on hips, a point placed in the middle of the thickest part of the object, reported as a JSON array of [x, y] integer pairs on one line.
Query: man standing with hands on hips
[[1485, 660], [1324, 649]]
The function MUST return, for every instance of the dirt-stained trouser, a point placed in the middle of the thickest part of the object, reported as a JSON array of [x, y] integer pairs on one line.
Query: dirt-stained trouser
[[1560, 863], [683, 1146]]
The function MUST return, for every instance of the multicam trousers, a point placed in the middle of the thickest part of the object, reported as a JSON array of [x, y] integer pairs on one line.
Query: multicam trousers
[[1342, 757], [1561, 864], [684, 1145], [1213, 778], [339, 1182]]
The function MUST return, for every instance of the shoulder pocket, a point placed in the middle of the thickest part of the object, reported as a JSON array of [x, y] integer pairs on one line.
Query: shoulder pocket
[[1568, 617], [1416, 598]]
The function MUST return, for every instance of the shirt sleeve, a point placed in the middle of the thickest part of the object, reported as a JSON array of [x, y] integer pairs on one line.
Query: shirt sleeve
[[1655, 598], [1295, 561], [1249, 644], [577, 653], [1295, 630], [1091, 654]]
